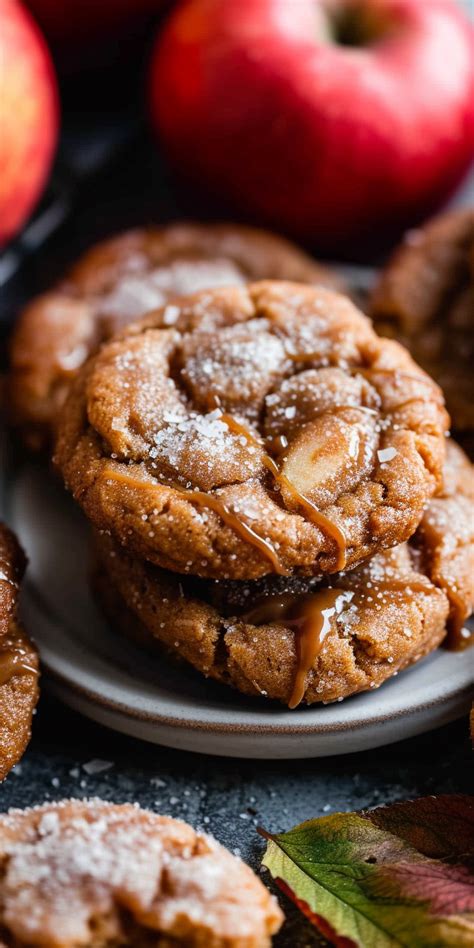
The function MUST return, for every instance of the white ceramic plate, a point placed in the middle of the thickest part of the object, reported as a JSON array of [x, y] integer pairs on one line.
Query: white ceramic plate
[[98, 673]]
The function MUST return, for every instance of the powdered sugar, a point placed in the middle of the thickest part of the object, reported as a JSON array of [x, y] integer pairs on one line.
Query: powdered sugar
[[69, 865], [135, 294]]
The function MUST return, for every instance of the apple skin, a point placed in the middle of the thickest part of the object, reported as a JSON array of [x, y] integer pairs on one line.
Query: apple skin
[[336, 145], [29, 116]]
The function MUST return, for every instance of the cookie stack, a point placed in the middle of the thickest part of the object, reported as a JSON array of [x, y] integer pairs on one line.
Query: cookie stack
[[267, 477]]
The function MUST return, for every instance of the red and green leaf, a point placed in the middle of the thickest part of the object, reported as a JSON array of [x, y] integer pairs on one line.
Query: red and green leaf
[[396, 875]]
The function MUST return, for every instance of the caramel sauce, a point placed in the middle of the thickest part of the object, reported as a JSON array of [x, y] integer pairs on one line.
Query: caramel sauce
[[13, 661], [311, 617], [278, 444], [201, 499], [320, 520], [312, 512]]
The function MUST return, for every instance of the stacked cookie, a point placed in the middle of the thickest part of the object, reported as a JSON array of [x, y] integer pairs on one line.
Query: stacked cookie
[[267, 477]]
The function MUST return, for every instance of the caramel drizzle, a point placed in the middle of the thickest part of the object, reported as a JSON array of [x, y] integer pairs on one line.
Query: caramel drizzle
[[312, 512], [201, 499], [278, 444], [311, 617], [13, 661]]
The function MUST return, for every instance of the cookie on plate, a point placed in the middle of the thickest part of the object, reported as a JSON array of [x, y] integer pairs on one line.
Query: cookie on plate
[[425, 298], [305, 640], [18, 659], [253, 430], [98, 874], [120, 280]]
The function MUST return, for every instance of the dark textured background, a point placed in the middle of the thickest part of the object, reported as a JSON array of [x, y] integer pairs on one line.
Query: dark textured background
[[229, 798], [108, 176]]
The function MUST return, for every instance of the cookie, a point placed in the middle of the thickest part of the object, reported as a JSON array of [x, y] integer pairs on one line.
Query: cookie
[[253, 430], [120, 280], [98, 874], [425, 298], [18, 659], [294, 639], [445, 540]]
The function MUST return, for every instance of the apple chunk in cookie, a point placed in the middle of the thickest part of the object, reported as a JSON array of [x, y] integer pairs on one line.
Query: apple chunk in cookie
[[270, 430], [332, 453]]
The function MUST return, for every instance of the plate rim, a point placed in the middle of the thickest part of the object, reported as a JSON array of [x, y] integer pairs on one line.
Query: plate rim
[[447, 698], [461, 693]]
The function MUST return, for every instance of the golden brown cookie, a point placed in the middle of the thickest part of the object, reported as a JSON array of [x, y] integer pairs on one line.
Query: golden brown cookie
[[425, 298], [298, 640], [101, 875], [120, 280], [324, 447], [445, 538], [18, 659]]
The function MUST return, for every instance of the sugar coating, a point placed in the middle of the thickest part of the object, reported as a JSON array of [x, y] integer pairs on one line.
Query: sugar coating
[[133, 295], [75, 871], [280, 403]]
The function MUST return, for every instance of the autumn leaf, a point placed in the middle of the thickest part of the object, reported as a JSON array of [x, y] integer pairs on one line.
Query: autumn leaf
[[396, 875]]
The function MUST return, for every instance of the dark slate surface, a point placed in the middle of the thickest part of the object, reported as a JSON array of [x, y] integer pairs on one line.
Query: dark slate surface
[[229, 798]]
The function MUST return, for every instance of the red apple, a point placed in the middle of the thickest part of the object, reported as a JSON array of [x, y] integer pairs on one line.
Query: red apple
[[28, 116], [334, 120]]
